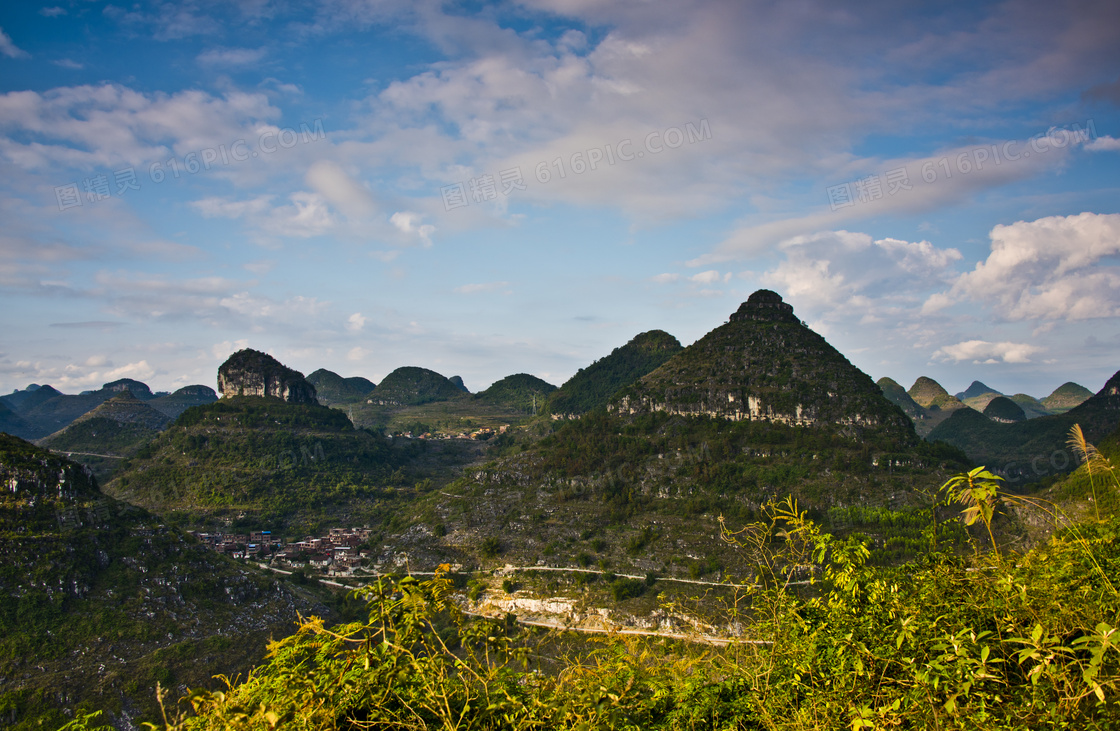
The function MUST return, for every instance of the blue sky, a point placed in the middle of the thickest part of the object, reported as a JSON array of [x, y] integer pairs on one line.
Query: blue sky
[[492, 188]]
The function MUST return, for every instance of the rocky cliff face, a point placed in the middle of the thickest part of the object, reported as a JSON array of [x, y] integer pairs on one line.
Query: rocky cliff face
[[136, 389], [1109, 396], [765, 365], [253, 373]]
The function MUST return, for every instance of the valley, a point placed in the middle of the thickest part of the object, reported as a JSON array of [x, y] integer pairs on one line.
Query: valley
[[676, 494]]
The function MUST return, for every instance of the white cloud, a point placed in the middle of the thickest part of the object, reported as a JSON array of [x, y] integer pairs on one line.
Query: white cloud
[[307, 215], [231, 56], [666, 278], [708, 277], [110, 125], [67, 63], [842, 275], [355, 322], [329, 180], [1104, 143], [930, 183], [79, 376], [982, 351], [409, 223], [9, 49], [1054, 268], [52, 12], [258, 307], [226, 348], [138, 371]]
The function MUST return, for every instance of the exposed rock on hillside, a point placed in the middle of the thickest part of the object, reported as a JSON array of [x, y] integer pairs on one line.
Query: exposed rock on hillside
[[765, 365], [96, 591], [253, 373], [137, 389], [1109, 396], [765, 306]]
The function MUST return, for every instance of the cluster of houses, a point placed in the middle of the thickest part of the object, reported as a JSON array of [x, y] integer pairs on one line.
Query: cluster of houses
[[339, 553], [478, 434]]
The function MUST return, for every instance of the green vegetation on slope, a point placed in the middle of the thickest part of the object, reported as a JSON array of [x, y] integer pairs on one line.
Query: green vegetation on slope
[[520, 392], [1066, 397], [1030, 450], [592, 387], [411, 385], [897, 395], [102, 601], [269, 460], [112, 439], [1000, 642], [332, 388], [776, 370], [1004, 409], [755, 460]]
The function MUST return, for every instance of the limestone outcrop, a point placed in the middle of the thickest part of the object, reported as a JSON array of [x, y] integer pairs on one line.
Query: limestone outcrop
[[253, 373]]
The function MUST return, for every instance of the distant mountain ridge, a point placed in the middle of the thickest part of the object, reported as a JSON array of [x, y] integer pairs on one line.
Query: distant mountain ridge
[[1032, 449], [897, 395], [928, 393], [176, 403], [331, 388], [43, 410], [29, 398], [976, 389]]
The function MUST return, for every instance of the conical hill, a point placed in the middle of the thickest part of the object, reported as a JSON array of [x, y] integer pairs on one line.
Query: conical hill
[[766, 365]]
